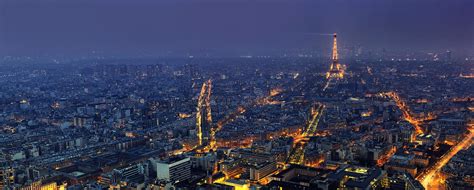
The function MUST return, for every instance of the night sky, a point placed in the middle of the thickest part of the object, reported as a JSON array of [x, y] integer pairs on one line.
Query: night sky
[[74, 27]]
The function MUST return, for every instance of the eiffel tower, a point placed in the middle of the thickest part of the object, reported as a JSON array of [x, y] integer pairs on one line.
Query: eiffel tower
[[336, 71]]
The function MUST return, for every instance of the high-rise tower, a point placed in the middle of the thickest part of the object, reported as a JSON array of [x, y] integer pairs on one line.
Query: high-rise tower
[[336, 71]]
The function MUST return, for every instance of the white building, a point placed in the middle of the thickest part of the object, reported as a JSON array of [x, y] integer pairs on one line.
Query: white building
[[174, 169]]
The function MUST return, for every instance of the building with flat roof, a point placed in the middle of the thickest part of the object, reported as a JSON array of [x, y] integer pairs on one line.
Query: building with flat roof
[[353, 177], [175, 169], [300, 177], [259, 171]]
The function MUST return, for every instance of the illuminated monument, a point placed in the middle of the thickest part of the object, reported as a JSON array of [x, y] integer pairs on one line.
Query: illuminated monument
[[336, 70]]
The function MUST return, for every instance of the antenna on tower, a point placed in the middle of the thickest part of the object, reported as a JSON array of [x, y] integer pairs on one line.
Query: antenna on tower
[[334, 49]]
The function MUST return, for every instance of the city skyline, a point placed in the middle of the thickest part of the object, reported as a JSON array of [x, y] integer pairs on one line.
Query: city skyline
[[365, 95]]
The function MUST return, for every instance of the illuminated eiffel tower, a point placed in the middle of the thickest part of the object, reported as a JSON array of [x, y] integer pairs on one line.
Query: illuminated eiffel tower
[[336, 70]]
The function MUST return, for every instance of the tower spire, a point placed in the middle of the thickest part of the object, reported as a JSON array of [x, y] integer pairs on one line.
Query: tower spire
[[336, 70], [334, 49]]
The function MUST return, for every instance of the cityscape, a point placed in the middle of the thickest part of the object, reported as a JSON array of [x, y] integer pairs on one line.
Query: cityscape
[[335, 117]]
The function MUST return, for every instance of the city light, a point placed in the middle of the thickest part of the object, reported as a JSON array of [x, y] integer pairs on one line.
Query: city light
[[236, 94]]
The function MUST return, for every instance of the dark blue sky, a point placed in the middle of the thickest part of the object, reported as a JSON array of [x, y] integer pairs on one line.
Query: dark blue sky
[[74, 27]]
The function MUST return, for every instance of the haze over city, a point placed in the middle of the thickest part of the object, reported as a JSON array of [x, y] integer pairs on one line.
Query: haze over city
[[31, 27], [236, 94]]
